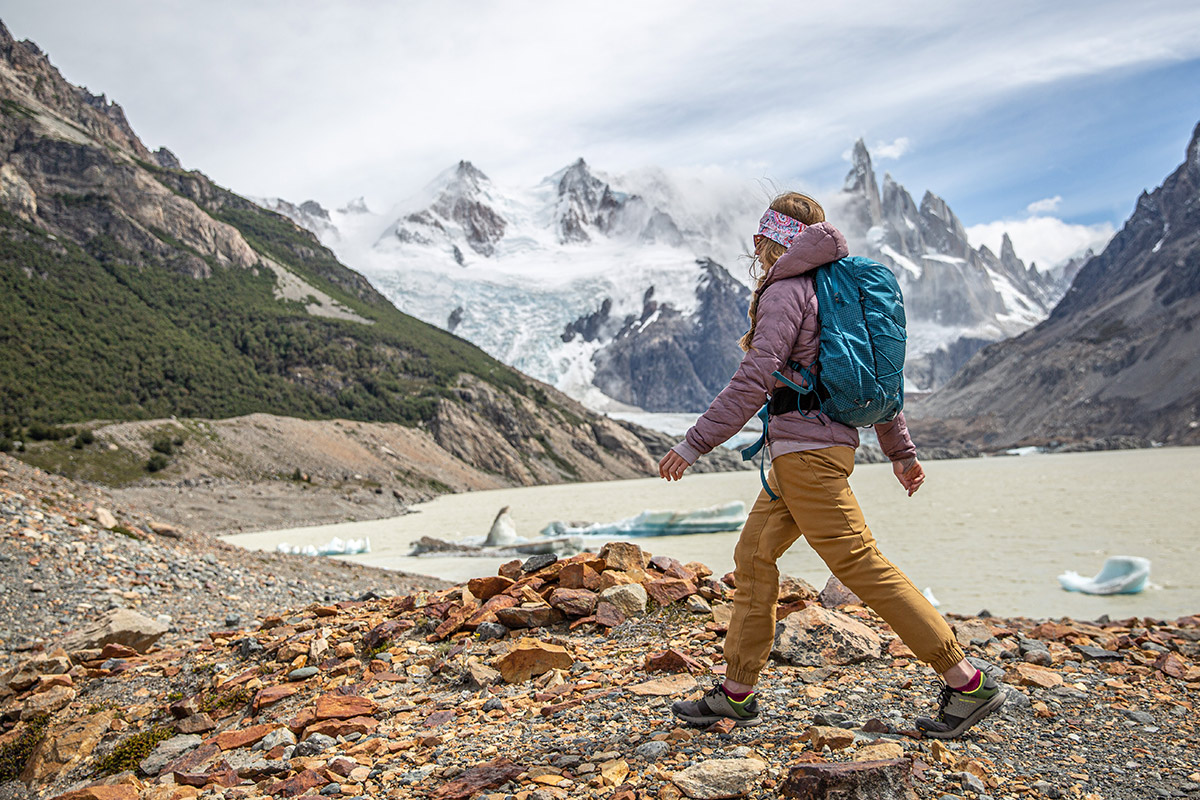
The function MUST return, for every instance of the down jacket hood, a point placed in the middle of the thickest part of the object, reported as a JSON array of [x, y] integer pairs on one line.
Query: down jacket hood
[[817, 244]]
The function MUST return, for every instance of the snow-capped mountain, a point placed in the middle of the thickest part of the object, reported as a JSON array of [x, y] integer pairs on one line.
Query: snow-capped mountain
[[957, 298], [617, 289]]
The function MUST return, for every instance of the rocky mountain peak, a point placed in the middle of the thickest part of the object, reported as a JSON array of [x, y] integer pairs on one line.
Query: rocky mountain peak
[[356, 206], [314, 208], [862, 188], [583, 200]]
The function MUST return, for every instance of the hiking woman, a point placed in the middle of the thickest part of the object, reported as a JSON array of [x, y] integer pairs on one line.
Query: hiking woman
[[812, 457]]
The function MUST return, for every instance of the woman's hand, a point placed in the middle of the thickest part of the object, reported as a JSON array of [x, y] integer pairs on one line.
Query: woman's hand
[[909, 472], [672, 466]]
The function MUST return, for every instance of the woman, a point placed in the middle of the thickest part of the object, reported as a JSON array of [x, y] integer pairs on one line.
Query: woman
[[812, 457]]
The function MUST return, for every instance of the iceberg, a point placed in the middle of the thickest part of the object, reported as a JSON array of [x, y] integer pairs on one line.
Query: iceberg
[[933, 601], [1119, 575], [334, 547], [714, 519]]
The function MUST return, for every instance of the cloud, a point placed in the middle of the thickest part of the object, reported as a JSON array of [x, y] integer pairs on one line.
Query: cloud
[[892, 150], [1045, 206], [1048, 241]]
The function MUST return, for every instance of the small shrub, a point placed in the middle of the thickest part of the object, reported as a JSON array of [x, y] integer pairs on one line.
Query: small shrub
[[163, 445], [15, 754], [131, 752], [234, 699], [87, 437], [157, 461], [6, 445]]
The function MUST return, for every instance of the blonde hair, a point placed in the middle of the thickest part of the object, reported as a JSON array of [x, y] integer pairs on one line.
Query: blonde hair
[[797, 206]]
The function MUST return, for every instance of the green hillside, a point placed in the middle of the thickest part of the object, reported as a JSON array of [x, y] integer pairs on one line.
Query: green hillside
[[101, 330]]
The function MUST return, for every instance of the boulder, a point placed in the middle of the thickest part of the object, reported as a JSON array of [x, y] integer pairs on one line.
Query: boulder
[[837, 594], [624, 556], [865, 780], [121, 626], [574, 602], [528, 617], [667, 590], [47, 702], [479, 778], [531, 657], [166, 752], [66, 746], [720, 778], [630, 599], [344, 706], [820, 637]]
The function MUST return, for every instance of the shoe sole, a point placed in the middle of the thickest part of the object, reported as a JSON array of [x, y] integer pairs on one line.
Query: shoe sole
[[706, 721], [980, 713]]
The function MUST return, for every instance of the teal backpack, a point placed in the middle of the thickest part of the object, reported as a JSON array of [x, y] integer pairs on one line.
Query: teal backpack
[[861, 352]]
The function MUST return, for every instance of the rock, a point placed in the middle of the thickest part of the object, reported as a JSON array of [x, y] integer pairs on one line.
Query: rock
[[529, 658], [837, 594], [384, 632], [1091, 653], [105, 518], [818, 637], [302, 674], [651, 751], [511, 570], [671, 660], [698, 605], [720, 778], [273, 694], [1140, 717], [280, 737], [527, 617], [623, 556], [792, 590], [822, 736], [344, 706], [242, 737], [609, 615], [579, 576], [672, 568], [491, 630], [120, 791], [1023, 674], [667, 590], [661, 687], [630, 599], [971, 630], [1171, 664], [196, 723], [479, 778], [343, 727], [481, 674], [534, 563], [866, 780], [297, 784], [879, 751], [488, 587], [614, 771], [121, 626], [574, 602], [47, 702], [167, 751], [313, 744], [66, 746]]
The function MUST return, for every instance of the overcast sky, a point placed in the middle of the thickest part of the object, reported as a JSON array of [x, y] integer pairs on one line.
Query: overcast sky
[[1047, 117]]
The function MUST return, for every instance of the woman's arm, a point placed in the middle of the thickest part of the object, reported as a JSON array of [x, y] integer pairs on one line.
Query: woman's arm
[[779, 318]]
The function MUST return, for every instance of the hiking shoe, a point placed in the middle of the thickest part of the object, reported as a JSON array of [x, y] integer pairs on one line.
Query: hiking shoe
[[715, 706], [958, 711]]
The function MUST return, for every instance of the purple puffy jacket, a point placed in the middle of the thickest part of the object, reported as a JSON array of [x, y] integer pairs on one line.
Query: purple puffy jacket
[[787, 330]]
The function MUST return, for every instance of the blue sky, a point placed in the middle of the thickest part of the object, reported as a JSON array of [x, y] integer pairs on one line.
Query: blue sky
[[1078, 105]]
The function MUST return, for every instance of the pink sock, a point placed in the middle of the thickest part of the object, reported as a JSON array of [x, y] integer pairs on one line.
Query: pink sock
[[972, 684], [737, 697]]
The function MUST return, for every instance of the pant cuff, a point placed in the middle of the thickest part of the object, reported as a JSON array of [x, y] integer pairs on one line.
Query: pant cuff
[[946, 657], [742, 675]]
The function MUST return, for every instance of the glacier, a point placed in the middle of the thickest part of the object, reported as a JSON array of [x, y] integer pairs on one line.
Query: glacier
[[714, 519]]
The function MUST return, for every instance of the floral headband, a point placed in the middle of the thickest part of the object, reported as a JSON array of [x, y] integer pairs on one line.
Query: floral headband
[[778, 228]]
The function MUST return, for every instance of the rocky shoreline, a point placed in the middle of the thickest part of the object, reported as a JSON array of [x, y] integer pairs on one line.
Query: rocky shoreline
[[549, 680]]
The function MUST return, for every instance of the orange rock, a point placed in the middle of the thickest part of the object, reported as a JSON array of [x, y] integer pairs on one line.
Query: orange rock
[[343, 727], [230, 740], [344, 706], [667, 590], [531, 657], [273, 694], [671, 660], [121, 791], [1024, 674], [579, 576], [623, 556], [488, 587]]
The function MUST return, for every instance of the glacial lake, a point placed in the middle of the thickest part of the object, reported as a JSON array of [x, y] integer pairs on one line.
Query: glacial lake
[[988, 533]]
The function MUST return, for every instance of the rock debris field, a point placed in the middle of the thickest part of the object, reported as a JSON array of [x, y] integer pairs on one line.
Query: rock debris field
[[551, 679]]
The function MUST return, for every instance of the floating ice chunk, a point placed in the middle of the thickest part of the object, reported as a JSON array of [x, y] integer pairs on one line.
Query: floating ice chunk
[[933, 601], [1119, 575], [714, 519], [503, 532], [334, 547]]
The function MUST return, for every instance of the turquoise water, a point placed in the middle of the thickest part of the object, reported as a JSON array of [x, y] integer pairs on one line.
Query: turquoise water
[[981, 533]]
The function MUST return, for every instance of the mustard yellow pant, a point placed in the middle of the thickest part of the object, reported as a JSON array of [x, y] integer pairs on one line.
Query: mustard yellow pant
[[815, 501]]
